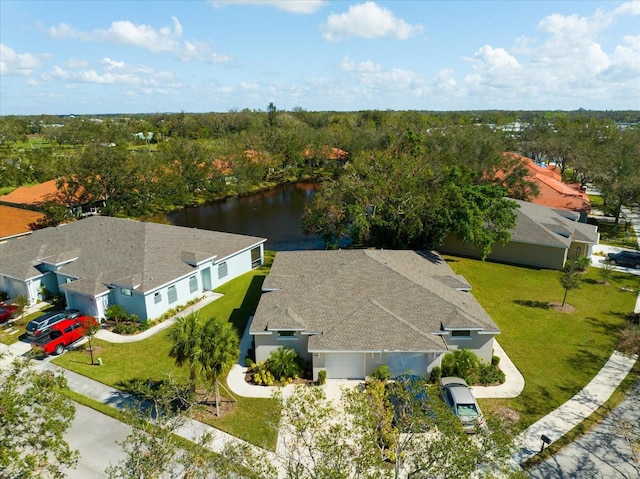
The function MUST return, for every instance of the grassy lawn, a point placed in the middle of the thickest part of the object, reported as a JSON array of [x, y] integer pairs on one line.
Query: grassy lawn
[[621, 234], [252, 418], [557, 353]]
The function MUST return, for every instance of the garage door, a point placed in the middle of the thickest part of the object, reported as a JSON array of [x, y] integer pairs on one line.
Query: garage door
[[400, 363], [345, 365]]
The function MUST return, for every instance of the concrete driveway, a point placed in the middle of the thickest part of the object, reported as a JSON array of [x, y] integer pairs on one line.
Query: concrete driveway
[[601, 453]]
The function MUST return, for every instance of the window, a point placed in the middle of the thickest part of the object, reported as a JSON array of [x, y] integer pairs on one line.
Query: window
[[256, 260], [193, 284], [222, 270], [126, 291], [157, 297], [286, 335], [172, 294], [463, 333]]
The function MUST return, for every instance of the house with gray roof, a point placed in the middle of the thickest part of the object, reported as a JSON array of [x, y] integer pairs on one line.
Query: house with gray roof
[[350, 311], [147, 268], [543, 237]]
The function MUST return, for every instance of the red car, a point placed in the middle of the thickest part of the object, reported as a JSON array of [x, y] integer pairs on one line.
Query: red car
[[62, 334], [7, 311]]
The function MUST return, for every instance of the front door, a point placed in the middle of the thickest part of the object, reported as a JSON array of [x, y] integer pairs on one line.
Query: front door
[[206, 279]]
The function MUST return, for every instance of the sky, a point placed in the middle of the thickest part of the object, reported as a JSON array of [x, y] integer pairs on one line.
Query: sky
[[95, 57]]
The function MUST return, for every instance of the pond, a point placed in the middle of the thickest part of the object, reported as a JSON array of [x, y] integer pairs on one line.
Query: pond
[[274, 214]]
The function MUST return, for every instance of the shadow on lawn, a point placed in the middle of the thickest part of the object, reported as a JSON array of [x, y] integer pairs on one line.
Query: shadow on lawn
[[239, 317], [529, 303]]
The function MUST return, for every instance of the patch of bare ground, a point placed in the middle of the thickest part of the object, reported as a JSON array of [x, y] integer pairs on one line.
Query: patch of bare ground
[[204, 409], [567, 308]]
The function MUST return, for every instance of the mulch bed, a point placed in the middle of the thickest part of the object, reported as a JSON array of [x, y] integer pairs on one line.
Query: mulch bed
[[567, 308]]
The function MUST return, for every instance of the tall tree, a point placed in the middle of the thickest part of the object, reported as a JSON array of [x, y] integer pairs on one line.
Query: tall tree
[[34, 417], [185, 337], [209, 349], [220, 351]]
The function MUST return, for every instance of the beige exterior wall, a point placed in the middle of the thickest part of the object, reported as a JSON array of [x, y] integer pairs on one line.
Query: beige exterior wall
[[265, 344], [480, 344], [515, 253]]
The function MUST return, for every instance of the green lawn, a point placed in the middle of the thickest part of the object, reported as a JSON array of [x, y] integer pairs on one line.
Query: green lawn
[[557, 353], [253, 419]]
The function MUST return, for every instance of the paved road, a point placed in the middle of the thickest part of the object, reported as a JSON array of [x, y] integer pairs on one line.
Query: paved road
[[94, 435], [602, 452]]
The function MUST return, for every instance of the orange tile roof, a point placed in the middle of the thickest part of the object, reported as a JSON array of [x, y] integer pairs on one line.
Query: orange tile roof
[[32, 195], [552, 191], [15, 221]]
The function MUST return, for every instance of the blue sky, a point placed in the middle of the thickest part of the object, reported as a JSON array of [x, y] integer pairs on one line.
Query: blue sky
[[84, 57]]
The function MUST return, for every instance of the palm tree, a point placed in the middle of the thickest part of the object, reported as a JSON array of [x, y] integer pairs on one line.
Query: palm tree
[[219, 351], [186, 339]]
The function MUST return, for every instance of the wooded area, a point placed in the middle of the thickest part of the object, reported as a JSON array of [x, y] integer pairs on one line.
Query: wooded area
[[392, 178]]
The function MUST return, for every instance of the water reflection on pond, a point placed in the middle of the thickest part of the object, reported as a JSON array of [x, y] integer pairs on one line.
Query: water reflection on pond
[[275, 214]]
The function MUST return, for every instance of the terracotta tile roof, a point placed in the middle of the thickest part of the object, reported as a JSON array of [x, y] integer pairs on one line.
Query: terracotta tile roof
[[552, 191], [36, 195], [15, 221]]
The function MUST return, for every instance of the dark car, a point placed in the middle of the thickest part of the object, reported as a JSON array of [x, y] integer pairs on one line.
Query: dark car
[[456, 393], [7, 311], [42, 324], [625, 258]]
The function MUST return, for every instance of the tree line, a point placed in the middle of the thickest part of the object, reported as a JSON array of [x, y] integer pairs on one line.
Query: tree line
[[402, 178]]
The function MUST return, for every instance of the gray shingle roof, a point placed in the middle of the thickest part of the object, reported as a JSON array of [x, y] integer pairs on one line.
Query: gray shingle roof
[[545, 226], [112, 250], [367, 300]]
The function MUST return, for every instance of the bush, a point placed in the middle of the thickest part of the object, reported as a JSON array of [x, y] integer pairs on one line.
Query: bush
[[490, 374], [435, 375], [381, 373], [462, 363], [284, 363], [116, 312], [4, 295], [125, 328], [262, 376], [495, 360], [59, 300], [322, 377]]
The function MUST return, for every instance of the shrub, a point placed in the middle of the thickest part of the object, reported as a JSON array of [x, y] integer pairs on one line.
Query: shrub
[[322, 377], [116, 313], [435, 375], [582, 263], [284, 363], [381, 373], [495, 360], [262, 376], [248, 362], [4, 295], [59, 300], [125, 328], [490, 374], [461, 362]]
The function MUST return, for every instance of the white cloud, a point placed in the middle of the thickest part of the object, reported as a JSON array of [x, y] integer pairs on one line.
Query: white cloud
[[124, 32], [366, 66], [367, 20], [445, 81], [13, 63], [200, 51], [112, 72], [489, 59], [291, 6]]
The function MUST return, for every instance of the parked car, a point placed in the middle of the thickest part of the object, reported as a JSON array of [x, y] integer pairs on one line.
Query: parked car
[[61, 335], [625, 258], [42, 323], [456, 393], [7, 311]]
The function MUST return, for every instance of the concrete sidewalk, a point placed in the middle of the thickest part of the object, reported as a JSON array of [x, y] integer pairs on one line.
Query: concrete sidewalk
[[559, 422]]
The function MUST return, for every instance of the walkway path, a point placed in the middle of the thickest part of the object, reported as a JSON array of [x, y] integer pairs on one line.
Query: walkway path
[[559, 422]]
